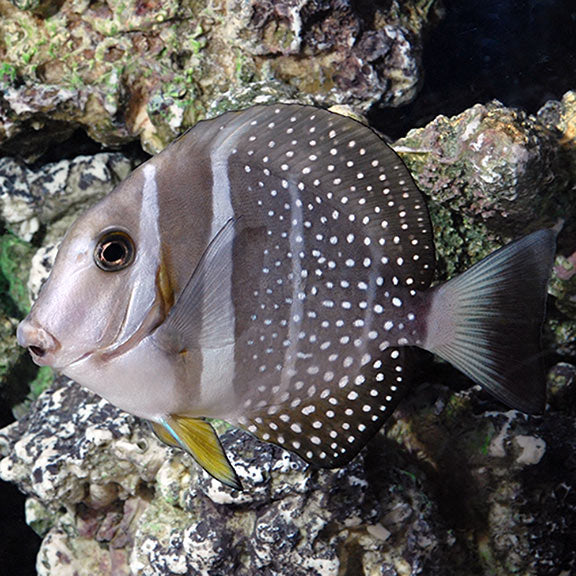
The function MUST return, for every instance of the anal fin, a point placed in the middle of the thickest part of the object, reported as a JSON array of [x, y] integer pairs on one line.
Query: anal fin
[[198, 438]]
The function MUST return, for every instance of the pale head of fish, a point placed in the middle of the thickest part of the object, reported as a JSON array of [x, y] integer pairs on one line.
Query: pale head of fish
[[105, 276]]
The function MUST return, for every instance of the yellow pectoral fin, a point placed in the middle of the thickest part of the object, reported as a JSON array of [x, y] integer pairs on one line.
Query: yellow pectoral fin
[[200, 440]]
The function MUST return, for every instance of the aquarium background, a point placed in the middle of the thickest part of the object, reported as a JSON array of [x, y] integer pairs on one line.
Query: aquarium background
[[522, 53]]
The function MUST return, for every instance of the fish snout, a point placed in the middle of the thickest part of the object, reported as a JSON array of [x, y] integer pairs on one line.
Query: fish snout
[[38, 341]]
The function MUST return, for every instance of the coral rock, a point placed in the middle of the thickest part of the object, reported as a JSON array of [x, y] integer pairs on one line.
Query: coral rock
[[127, 70]]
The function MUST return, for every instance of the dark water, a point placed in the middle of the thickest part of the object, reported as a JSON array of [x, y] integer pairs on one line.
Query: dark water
[[18, 542], [521, 52]]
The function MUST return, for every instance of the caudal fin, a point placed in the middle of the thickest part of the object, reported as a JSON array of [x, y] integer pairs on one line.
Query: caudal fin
[[487, 322]]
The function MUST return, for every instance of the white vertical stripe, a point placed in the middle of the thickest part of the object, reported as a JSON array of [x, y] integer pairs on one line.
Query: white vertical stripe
[[218, 365], [143, 274], [370, 319], [296, 239], [222, 209], [149, 214]]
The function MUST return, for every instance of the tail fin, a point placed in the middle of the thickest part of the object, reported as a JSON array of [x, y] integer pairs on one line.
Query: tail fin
[[487, 321]]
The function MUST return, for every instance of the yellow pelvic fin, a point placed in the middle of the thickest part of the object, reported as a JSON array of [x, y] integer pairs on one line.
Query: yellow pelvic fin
[[199, 439], [164, 434]]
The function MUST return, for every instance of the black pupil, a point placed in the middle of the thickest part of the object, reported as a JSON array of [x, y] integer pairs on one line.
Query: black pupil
[[114, 252]]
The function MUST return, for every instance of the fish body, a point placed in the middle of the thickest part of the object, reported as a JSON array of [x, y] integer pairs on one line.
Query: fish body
[[272, 268]]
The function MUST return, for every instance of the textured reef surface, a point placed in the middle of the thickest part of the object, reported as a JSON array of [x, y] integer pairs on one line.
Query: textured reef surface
[[126, 69], [455, 483]]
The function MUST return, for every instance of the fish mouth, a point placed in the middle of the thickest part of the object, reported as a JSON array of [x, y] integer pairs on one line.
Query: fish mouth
[[39, 356], [36, 352], [42, 358], [41, 345]]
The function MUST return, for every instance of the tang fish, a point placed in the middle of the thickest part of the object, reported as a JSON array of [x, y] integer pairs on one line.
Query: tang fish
[[272, 268]]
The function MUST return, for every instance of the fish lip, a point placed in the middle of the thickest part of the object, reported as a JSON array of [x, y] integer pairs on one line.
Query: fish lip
[[43, 360]]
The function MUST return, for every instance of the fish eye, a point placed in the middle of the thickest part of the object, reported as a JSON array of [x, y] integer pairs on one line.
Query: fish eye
[[114, 251]]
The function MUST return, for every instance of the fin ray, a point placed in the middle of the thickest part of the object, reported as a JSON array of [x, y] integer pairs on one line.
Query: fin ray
[[198, 438], [164, 435], [202, 316], [487, 321]]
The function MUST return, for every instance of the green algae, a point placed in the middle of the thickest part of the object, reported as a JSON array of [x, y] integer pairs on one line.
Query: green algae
[[109, 67], [460, 242], [8, 74], [21, 382], [44, 379], [15, 255], [15, 369], [39, 517]]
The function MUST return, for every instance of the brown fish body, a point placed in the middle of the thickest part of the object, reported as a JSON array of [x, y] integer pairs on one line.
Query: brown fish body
[[270, 268]]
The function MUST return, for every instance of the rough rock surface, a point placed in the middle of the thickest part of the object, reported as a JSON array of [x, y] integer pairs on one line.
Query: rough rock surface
[[126, 70], [53, 195], [456, 485], [103, 488], [492, 173]]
